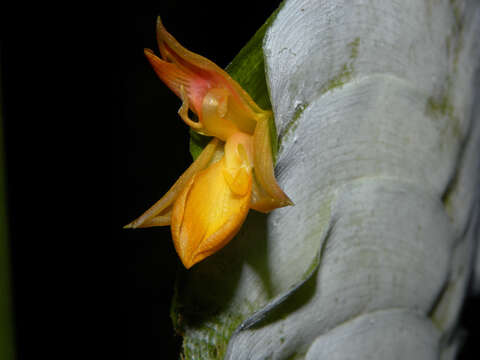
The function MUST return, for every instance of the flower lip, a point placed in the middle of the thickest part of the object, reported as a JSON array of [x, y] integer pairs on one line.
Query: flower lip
[[208, 214]]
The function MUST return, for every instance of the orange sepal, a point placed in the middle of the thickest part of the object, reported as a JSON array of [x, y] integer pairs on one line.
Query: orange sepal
[[268, 195], [159, 214]]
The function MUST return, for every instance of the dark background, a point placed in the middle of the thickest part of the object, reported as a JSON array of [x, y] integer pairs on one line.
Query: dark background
[[92, 139]]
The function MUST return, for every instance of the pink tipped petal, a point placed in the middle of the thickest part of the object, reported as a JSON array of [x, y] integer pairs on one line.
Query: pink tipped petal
[[207, 75]]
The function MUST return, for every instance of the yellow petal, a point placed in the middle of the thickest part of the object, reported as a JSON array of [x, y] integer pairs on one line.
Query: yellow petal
[[207, 214], [163, 205], [263, 164]]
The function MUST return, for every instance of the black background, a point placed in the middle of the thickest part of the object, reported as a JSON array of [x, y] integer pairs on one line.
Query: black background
[[92, 139]]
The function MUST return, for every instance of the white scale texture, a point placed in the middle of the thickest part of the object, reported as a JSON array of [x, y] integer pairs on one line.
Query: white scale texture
[[375, 108]]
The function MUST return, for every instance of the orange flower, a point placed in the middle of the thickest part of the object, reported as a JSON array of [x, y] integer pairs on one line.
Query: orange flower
[[209, 203]]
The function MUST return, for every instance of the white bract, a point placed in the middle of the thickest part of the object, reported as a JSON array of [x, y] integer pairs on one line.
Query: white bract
[[379, 135]]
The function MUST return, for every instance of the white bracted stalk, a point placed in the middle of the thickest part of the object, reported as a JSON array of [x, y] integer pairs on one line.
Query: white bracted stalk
[[377, 110]]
